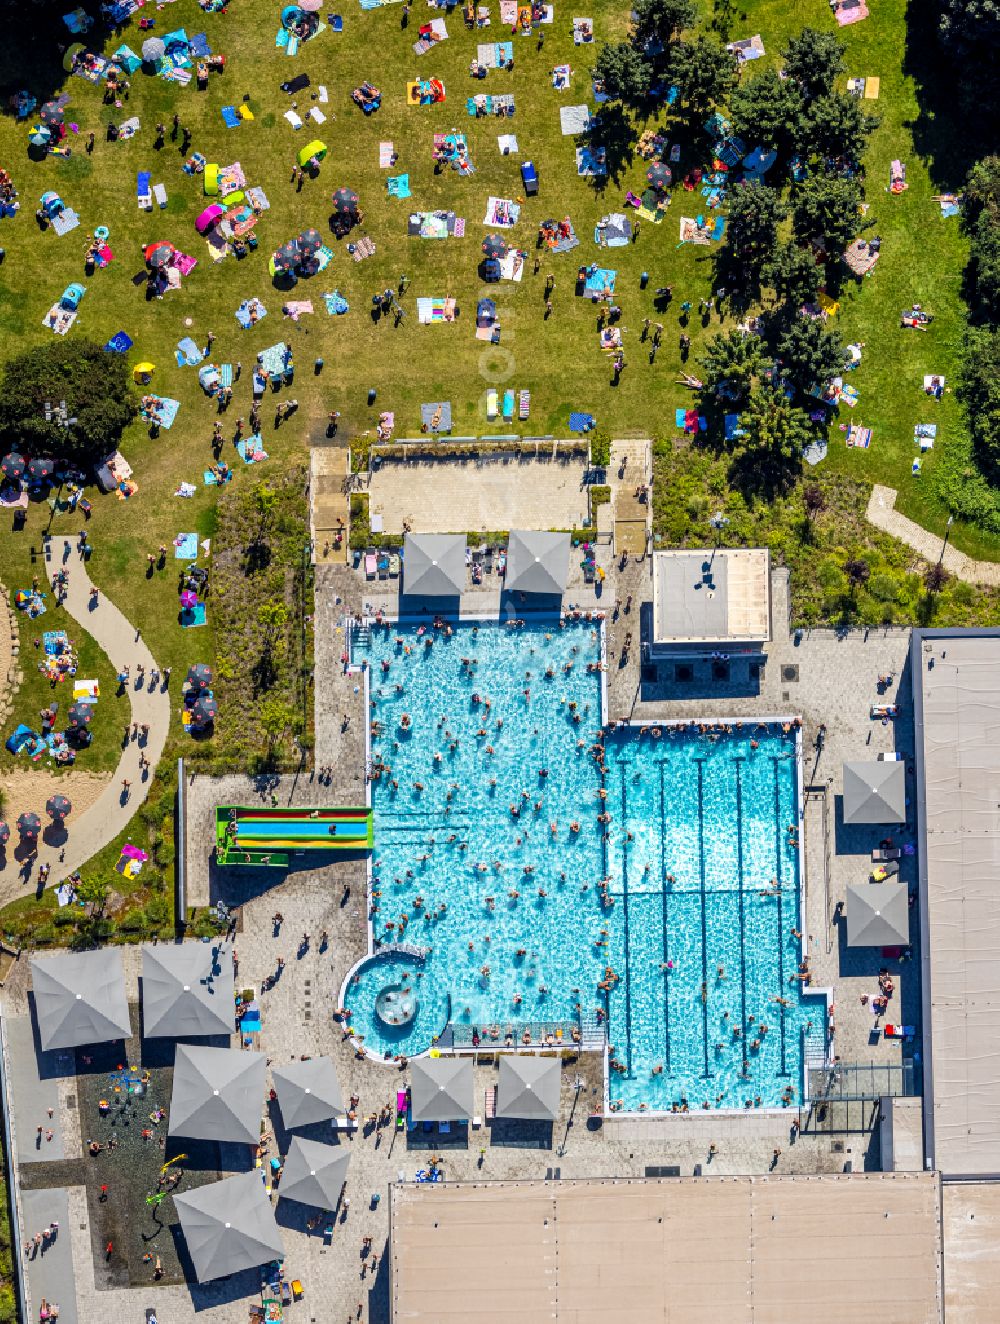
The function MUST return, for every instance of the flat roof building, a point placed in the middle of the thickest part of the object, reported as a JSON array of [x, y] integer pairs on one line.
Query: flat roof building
[[708, 602], [956, 700], [744, 1250]]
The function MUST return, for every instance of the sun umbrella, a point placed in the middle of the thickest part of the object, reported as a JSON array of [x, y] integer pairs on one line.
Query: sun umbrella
[[189, 598], [491, 269], [199, 677], [28, 825], [158, 255], [494, 245], [153, 49], [286, 258], [58, 807], [204, 709], [40, 470], [345, 202], [78, 714], [51, 113], [40, 138], [659, 176], [4, 834], [12, 466], [310, 242]]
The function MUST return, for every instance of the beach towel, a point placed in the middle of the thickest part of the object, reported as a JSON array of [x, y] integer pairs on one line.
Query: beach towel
[[398, 186], [731, 423], [573, 120], [120, 343], [225, 374], [336, 304], [166, 412], [591, 162], [294, 120], [192, 617], [512, 265], [435, 310], [231, 117], [600, 280], [251, 450], [815, 452], [436, 416], [748, 48], [581, 422], [386, 155], [847, 12], [250, 312], [613, 231], [508, 144], [296, 308], [859, 436], [185, 490], [186, 547], [59, 319], [430, 35], [583, 31], [560, 77], [501, 212], [924, 435]]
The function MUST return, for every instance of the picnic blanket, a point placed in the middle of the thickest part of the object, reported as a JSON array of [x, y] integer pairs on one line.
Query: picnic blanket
[[507, 143], [251, 449], [815, 451], [613, 231], [436, 310], [165, 412], [386, 155], [296, 308], [272, 359], [120, 343], [494, 54], [436, 416], [501, 212], [59, 319], [600, 280], [924, 435], [583, 31], [748, 48], [847, 12], [483, 104], [859, 436], [591, 161], [398, 186], [512, 265], [430, 34], [433, 224], [186, 547], [249, 313], [561, 75], [336, 304], [191, 617], [579, 422], [573, 120]]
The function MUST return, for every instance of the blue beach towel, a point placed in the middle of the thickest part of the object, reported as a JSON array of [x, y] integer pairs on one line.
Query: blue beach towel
[[231, 117], [581, 422], [192, 617], [120, 343], [336, 304], [186, 547], [225, 374], [167, 411], [599, 280], [398, 186], [188, 353], [199, 44]]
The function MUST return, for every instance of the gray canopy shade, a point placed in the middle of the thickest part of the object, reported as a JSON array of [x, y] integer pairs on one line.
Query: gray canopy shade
[[187, 989], [537, 562], [218, 1094], [80, 998], [875, 792], [441, 1089], [308, 1092], [314, 1173], [878, 915], [434, 565], [229, 1226], [529, 1088]]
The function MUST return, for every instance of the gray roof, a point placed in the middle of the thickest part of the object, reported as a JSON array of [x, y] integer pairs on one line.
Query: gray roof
[[314, 1173], [187, 989], [218, 1094], [878, 915], [875, 792], [229, 1226], [80, 998], [434, 564], [441, 1089], [537, 562], [308, 1092], [529, 1087]]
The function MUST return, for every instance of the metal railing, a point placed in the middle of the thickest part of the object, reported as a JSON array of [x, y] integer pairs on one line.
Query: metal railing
[[514, 1034]]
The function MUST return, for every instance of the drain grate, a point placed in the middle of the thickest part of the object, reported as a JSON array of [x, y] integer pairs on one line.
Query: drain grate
[[70, 1102], [790, 673], [837, 1147]]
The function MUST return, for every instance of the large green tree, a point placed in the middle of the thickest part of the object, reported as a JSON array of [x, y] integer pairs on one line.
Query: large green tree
[[662, 21], [775, 432], [793, 276], [827, 208], [733, 363], [626, 74], [809, 353], [767, 110], [835, 125], [982, 221], [814, 59], [755, 212], [979, 392], [99, 399], [703, 72]]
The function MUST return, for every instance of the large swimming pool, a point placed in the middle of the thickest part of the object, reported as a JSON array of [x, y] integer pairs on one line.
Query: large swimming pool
[[536, 871]]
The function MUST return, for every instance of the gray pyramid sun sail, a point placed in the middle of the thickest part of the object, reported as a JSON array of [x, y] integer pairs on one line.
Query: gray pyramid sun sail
[[875, 791], [218, 1094], [187, 990], [229, 1226], [878, 915], [314, 1173], [80, 998], [537, 562], [434, 565], [529, 1087], [441, 1089], [308, 1092]]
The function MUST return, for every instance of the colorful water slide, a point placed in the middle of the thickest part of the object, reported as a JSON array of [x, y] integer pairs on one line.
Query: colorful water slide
[[255, 835]]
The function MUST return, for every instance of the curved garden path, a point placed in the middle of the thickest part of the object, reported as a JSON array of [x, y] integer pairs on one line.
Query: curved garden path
[[883, 514], [90, 831]]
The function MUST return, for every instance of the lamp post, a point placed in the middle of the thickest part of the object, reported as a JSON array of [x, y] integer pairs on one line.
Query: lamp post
[[947, 531]]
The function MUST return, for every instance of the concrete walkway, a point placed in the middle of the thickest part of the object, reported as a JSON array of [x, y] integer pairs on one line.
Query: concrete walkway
[[110, 814], [883, 514]]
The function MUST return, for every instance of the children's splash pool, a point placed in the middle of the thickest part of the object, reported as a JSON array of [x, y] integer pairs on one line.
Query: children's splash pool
[[529, 872]]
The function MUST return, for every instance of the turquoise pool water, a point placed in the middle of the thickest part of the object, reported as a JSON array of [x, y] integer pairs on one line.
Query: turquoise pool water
[[490, 858]]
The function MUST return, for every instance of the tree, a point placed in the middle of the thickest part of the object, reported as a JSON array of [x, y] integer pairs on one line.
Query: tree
[[704, 73], [793, 275], [936, 577], [827, 209], [755, 212], [733, 364], [94, 893], [982, 221], [836, 126], [272, 617], [858, 572], [775, 432], [661, 22], [275, 718], [979, 392], [626, 75], [814, 500], [813, 60], [768, 110], [265, 501], [99, 399], [809, 353]]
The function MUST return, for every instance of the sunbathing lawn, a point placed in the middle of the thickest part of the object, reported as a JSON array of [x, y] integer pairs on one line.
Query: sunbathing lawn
[[557, 359]]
